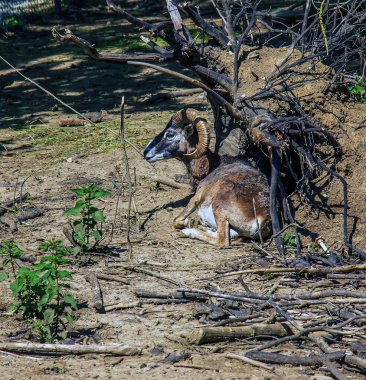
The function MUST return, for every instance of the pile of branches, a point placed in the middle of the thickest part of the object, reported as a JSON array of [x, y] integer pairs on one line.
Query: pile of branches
[[326, 327], [304, 317], [330, 32]]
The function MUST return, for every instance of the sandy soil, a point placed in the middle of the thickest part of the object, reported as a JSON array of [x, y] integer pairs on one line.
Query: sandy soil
[[49, 160]]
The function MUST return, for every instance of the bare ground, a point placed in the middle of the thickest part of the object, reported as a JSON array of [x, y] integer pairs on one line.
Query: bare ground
[[51, 160]]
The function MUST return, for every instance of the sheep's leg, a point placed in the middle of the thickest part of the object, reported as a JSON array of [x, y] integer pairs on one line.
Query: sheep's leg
[[181, 220], [223, 232], [220, 237], [207, 236]]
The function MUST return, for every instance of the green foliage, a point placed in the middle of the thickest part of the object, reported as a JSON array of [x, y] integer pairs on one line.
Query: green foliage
[[11, 252], [313, 246], [134, 220], [72, 141], [40, 290], [129, 43], [15, 208], [289, 241], [87, 228], [12, 22], [358, 91]]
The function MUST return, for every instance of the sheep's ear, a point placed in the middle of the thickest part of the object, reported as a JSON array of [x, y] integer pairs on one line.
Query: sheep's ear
[[189, 130]]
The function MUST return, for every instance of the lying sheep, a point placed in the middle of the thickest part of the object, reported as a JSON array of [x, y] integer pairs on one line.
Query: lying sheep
[[232, 197]]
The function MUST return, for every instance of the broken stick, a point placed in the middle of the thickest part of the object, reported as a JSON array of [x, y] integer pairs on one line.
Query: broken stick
[[253, 362], [170, 183]]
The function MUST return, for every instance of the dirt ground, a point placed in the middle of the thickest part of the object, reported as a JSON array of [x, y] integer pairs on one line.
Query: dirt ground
[[48, 160]]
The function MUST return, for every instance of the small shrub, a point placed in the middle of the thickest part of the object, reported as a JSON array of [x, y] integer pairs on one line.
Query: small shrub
[[358, 91], [39, 290], [87, 228]]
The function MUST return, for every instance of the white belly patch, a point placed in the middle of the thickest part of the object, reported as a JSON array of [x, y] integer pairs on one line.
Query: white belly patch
[[233, 234], [207, 217]]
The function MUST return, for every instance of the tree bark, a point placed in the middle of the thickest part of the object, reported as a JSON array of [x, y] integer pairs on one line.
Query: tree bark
[[69, 349], [218, 334]]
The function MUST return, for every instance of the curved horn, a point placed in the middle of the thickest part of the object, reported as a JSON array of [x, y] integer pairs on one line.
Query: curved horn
[[191, 116]]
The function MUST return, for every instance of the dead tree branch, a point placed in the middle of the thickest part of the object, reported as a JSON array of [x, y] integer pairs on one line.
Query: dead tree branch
[[69, 349]]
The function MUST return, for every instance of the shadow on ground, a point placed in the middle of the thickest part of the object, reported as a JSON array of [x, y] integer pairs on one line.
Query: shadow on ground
[[64, 70]]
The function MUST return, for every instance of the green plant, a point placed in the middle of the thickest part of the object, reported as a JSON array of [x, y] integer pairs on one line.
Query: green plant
[[87, 229], [134, 220], [12, 22], [289, 241], [11, 252], [358, 91], [313, 246], [39, 292], [15, 208]]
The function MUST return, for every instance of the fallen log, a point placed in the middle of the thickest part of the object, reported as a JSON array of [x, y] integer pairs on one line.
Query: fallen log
[[69, 349], [218, 334]]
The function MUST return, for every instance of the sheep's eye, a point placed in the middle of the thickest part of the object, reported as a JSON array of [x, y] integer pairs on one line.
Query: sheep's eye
[[170, 135]]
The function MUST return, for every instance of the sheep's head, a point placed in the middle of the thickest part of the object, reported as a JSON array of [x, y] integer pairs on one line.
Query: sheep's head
[[187, 135]]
